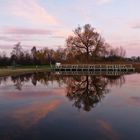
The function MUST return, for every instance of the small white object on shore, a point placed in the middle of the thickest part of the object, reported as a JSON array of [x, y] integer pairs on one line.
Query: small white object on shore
[[57, 64]]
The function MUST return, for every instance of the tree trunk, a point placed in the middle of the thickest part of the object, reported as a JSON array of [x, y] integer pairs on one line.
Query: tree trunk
[[87, 55]]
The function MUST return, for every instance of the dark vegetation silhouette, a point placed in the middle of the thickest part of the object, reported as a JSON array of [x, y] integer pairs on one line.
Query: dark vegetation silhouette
[[85, 46]]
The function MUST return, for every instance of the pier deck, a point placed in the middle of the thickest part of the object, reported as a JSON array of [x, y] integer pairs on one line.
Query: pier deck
[[94, 67]]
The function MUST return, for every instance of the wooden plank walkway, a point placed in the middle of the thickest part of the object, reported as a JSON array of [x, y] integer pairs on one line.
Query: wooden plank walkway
[[94, 67], [92, 73]]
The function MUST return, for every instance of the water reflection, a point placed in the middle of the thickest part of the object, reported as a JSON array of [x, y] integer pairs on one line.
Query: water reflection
[[85, 90], [40, 105], [33, 114], [108, 130]]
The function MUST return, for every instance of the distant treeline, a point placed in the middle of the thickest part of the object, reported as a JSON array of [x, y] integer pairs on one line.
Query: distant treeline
[[46, 56], [85, 46]]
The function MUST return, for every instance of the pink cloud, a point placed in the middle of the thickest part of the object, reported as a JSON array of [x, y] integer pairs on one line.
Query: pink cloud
[[32, 11], [136, 26], [15, 38], [27, 31]]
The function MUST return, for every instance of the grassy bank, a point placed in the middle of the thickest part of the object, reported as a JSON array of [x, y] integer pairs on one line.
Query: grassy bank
[[22, 70]]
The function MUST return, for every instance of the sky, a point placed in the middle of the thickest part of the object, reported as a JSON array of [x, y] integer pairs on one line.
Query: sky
[[47, 23]]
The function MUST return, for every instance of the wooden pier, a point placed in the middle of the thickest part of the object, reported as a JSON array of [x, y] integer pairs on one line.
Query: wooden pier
[[92, 73], [94, 67]]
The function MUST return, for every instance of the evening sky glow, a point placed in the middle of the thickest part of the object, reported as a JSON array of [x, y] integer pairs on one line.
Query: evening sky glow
[[47, 23]]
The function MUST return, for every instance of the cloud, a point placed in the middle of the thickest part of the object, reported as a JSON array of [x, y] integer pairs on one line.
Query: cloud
[[27, 31], [136, 26], [58, 36], [15, 38], [101, 2], [56, 32], [32, 11], [10, 34]]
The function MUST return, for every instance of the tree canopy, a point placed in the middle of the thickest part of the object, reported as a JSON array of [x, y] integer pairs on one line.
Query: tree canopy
[[86, 40]]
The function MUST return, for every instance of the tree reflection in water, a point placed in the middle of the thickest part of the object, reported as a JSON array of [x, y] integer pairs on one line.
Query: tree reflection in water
[[87, 91], [84, 90], [43, 78]]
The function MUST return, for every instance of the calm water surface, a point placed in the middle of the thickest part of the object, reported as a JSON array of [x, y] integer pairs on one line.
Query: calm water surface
[[45, 106]]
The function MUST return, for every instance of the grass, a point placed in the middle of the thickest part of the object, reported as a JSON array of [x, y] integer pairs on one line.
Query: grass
[[22, 70]]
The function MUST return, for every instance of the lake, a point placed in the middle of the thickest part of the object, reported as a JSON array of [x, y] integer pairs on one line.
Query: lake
[[53, 106]]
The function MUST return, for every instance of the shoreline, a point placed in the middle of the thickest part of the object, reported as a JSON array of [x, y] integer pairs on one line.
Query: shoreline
[[20, 71], [27, 70]]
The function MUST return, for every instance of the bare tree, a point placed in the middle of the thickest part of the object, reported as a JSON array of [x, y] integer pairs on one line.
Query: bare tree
[[87, 41], [118, 52], [17, 50]]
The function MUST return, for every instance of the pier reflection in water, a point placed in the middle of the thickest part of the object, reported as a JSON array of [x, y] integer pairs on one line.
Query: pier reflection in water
[[86, 89], [69, 106]]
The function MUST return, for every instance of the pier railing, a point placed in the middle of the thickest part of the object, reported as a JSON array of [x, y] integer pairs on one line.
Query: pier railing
[[96, 73], [94, 67]]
